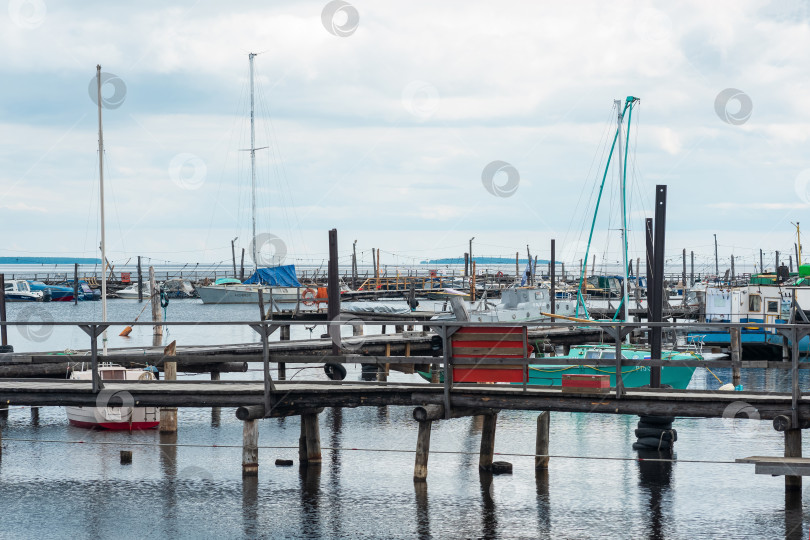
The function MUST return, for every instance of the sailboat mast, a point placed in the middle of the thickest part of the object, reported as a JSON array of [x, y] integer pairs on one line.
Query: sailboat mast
[[625, 288], [253, 167], [101, 208]]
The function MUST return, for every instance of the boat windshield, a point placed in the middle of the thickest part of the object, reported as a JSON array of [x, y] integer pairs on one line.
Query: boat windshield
[[591, 355]]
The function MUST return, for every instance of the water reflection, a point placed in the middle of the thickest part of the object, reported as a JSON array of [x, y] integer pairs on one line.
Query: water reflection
[[543, 502], [422, 513], [310, 478], [793, 514], [489, 518], [654, 479], [168, 464], [250, 506]]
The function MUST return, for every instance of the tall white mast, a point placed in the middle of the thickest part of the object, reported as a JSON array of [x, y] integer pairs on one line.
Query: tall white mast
[[101, 208], [625, 294], [253, 167]]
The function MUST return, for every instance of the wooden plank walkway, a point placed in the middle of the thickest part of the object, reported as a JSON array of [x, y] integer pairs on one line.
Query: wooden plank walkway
[[290, 394]]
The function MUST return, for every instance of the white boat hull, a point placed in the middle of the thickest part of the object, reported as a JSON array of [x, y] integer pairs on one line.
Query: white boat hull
[[247, 294]]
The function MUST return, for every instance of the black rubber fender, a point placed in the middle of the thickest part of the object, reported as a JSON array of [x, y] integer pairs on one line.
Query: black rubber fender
[[664, 434], [6, 348], [652, 443], [336, 372], [658, 420], [645, 425]]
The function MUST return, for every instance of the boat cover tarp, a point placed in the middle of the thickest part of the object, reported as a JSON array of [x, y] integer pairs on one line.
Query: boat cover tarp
[[278, 276]]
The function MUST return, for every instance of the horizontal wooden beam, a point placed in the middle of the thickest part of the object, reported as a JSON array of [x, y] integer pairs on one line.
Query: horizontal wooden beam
[[436, 412]]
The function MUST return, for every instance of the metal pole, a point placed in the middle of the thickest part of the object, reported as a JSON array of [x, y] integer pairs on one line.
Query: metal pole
[[233, 255], [648, 226], [716, 260], [253, 167], [140, 281], [333, 288], [3, 329], [761, 266], [101, 208], [692, 269], [658, 281], [552, 276]]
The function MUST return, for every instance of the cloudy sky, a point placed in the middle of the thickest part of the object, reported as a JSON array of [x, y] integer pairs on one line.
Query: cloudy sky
[[381, 119]]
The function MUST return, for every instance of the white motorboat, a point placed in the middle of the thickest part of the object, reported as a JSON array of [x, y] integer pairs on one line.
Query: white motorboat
[[125, 417], [131, 292], [518, 304], [19, 290]]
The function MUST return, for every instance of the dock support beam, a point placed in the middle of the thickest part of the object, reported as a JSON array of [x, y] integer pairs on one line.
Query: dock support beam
[[283, 336], [216, 412], [735, 336], [250, 448], [541, 447], [309, 444], [168, 415], [793, 448], [487, 442], [422, 452]]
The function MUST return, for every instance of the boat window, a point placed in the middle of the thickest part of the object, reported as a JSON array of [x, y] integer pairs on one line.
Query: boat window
[[112, 374], [610, 355], [592, 355], [773, 306], [9, 286], [755, 303]]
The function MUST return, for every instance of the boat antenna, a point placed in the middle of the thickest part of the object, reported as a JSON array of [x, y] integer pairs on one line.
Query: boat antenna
[[101, 208]]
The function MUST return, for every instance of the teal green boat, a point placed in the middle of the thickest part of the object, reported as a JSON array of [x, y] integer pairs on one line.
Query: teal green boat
[[632, 376]]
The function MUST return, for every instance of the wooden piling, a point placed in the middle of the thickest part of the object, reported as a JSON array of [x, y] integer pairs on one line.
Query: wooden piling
[[35, 415], [75, 283], [250, 448], [793, 448], [168, 415], [312, 438], [284, 335], [216, 412], [157, 315], [126, 457], [487, 442], [422, 452], [736, 355], [541, 446]]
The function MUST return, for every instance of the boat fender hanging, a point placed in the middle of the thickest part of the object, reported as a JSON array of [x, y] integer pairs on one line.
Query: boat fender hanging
[[336, 372], [164, 300]]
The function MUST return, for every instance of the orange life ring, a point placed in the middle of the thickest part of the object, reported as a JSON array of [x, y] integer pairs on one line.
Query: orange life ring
[[499, 274], [308, 297]]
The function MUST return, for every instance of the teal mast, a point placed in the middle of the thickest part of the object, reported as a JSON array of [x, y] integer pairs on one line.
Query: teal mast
[[628, 104]]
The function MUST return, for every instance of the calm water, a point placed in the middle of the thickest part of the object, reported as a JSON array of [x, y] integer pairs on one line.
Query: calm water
[[195, 490]]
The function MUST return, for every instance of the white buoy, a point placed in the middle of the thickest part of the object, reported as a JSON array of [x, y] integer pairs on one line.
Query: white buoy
[[728, 387]]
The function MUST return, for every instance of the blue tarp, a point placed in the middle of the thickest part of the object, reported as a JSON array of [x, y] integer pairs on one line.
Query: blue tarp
[[280, 276]]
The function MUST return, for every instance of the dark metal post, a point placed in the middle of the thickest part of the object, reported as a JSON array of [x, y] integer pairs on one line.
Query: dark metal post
[[761, 267], [716, 259], [333, 288], [552, 276], [3, 329], [233, 256], [241, 267], [354, 265], [648, 224], [658, 281], [140, 281], [777, 261], [466, 264]]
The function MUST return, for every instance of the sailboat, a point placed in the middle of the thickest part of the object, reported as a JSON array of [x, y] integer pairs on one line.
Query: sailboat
[[279, 283], [119, 418]]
